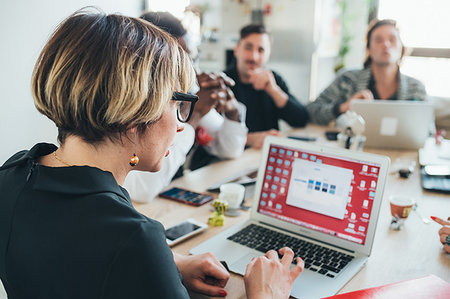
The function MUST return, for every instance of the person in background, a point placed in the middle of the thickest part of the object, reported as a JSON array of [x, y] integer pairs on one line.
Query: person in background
[[444, 232], [217, 123], [262, 91], [380, 78], [115, 88]]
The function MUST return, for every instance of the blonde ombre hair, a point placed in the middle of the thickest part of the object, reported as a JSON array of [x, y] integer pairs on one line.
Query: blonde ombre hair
[[99, 75]]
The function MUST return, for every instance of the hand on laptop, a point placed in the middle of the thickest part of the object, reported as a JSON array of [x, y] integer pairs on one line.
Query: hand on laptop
[[203, 273], [269, 277]]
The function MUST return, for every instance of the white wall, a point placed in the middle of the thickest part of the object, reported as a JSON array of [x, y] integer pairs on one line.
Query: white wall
[[24, 28]]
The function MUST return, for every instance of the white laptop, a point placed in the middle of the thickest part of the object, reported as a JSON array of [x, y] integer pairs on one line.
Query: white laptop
[[395, 124], [329, 197]]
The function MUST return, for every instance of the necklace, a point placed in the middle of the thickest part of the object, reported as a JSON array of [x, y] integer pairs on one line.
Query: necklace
[[61, 160]]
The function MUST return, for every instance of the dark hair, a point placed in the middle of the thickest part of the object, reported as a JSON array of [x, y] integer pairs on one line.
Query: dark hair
[[253, 28], [166, 21], [374, 24]]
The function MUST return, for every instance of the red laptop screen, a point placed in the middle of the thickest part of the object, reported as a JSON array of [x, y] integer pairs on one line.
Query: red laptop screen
[[326, 193]]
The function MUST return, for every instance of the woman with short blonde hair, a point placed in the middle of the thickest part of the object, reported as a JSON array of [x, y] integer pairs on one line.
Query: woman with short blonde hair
[[101, 82], [114, 87]]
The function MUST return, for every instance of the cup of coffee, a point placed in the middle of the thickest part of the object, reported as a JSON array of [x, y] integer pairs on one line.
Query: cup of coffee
[[401, 205], [233, 194]]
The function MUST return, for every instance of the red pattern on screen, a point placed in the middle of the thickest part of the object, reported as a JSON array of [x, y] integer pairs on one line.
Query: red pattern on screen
[[278, 173]]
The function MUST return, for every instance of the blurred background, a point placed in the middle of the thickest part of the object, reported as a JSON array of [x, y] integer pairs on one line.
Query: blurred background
[[312, 41]]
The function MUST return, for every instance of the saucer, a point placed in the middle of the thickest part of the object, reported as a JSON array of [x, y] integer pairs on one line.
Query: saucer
[[233, 212], [229, 212]]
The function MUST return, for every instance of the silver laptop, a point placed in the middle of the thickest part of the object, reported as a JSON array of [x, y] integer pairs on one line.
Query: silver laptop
[[322, 202], [395, 124]]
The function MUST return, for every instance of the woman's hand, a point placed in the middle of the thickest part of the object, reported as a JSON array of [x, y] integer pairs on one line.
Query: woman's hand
[[269, 277], [443, 232], [203, 273]]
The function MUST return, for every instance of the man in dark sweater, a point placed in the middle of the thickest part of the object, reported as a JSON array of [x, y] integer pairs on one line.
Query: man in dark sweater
[[263, 91]]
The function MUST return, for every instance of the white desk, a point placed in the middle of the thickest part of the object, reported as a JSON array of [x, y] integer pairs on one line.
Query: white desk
[[412, 252]]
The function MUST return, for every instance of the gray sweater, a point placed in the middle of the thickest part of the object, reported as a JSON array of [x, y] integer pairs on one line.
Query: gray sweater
[[326, 107]]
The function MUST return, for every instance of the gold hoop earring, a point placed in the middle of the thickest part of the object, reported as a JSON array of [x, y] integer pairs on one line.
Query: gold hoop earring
[[134, 160]]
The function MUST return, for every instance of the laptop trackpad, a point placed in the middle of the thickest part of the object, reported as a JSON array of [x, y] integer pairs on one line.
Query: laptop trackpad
[[240, 265]]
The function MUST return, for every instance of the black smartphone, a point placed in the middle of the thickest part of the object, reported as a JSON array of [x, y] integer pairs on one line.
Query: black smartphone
[[302, 138], [186, 196], [331, 135], [245, 178]]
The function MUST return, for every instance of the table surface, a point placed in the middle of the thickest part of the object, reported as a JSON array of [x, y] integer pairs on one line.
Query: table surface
[[411, 252]]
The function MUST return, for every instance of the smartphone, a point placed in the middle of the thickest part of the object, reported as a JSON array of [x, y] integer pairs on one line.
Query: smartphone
[[302, 138], [184, 230], [331, 135], [246, 177], [186, 196]]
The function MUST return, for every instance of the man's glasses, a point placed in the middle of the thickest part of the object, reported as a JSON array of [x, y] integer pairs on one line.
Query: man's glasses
[[186, 105]]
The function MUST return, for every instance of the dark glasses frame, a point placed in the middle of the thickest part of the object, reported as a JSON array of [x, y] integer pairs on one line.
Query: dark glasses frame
[[185, 97]]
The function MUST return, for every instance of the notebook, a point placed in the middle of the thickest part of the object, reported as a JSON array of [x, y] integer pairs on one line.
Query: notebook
[[317, 198], [395, 124], [429, 286]]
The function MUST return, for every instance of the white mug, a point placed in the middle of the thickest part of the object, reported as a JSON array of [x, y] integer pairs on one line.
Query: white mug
[[233, 194]]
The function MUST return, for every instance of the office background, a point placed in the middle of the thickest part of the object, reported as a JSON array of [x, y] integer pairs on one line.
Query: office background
[[305, 48], [26, 25]]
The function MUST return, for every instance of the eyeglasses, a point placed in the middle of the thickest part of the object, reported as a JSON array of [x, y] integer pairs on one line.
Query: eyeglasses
[[186, 105]]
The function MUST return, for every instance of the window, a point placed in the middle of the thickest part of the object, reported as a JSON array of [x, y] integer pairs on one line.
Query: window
[[425, 29]]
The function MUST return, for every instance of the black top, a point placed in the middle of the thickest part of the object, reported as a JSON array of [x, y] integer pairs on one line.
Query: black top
[[373, 89], [72, 232], [262, 113]]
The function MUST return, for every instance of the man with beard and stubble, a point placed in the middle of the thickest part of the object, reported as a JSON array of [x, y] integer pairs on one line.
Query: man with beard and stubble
[[262, 91]]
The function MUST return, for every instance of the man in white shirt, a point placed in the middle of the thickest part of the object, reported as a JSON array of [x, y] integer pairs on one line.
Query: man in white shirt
[[217, 113]]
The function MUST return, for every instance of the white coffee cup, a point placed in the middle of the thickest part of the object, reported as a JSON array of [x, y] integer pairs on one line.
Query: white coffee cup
[[233, 194]]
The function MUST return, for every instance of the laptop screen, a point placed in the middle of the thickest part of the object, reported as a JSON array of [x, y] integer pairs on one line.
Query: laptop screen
[[329, 194]]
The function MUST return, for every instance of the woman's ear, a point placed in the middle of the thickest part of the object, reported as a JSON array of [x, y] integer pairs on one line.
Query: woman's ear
[[131, 133]]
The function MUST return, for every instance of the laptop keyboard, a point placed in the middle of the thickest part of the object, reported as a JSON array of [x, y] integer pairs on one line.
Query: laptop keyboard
[[319, 259]]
